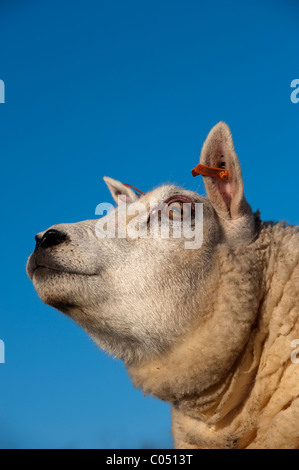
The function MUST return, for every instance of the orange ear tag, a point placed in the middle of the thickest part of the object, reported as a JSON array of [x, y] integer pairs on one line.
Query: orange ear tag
[[210, 171]]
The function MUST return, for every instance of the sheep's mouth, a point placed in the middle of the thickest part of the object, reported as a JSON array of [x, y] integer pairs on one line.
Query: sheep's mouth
[[47, 270], [42, 271], [50, 270], [43, 266]]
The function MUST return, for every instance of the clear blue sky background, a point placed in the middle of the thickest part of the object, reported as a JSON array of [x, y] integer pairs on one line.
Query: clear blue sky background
[[127, 89]]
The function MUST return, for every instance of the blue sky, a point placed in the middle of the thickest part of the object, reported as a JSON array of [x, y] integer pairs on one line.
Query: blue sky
[[128, 90]]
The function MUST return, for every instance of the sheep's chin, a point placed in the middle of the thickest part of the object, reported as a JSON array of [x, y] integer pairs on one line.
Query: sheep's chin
[[63, 290]]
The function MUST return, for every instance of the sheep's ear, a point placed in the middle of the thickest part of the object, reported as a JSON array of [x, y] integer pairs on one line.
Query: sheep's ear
[[119, 191], [227, 196]]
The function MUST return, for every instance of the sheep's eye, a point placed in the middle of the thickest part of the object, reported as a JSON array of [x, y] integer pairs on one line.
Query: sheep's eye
[[179, 207], [178, 210]]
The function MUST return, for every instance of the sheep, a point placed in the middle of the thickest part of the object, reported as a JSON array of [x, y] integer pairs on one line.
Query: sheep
[[209, 330]]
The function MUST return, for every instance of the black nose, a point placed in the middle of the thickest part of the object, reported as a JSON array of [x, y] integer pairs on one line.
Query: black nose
[[50, 238]]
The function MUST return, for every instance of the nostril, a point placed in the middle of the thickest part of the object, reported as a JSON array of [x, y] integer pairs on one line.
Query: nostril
[[38, 239], [50, 238]]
